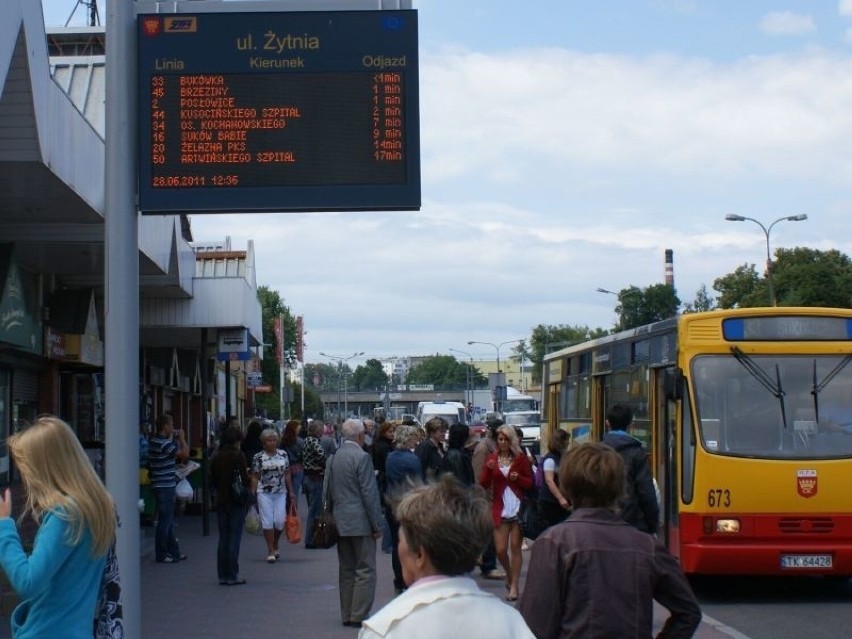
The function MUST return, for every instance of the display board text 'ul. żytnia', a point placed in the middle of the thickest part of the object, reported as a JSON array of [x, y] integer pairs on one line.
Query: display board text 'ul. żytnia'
[[291, 111]]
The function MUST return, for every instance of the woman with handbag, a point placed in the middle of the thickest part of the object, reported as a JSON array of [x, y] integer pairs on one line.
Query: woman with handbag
[[553, 505], [271, 482], [229, 476], [507, 472]]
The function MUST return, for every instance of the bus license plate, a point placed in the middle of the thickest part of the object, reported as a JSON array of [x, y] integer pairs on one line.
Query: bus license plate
[[806, 561]]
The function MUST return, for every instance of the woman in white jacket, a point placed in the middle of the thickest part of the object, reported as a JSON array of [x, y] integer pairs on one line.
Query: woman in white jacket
[[443, 529]]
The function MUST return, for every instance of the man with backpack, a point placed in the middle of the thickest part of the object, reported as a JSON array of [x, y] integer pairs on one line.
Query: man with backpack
[[639, 507]]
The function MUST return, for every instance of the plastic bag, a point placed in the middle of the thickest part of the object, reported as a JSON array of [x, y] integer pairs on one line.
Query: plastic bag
[[253, 521], [293, 527], [183, 490]]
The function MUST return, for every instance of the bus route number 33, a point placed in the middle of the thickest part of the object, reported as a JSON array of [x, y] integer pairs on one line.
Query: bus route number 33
[[719, 498]]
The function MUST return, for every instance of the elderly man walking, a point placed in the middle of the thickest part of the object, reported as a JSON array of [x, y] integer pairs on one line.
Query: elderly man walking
[[351, 490]]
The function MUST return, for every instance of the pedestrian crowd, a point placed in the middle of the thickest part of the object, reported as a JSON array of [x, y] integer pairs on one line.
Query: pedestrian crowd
[[443, 502]]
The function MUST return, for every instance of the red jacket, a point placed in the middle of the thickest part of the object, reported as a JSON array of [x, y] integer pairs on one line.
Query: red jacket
[[497, 482]]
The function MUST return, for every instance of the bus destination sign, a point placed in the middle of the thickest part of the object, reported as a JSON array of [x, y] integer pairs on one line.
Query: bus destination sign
[[288, 111]]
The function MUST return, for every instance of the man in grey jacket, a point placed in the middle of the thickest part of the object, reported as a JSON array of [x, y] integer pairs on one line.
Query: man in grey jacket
[[350, 486]]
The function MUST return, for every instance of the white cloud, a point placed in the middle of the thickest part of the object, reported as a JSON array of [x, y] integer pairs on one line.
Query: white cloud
[[844, 7], [787, 23], [548, 173], [513, 113]]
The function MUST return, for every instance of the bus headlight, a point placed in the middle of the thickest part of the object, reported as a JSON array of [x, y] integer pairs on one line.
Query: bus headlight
[[727, 526]]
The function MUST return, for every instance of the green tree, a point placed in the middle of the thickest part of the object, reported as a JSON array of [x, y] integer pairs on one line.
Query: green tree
[[801, 277], [272, 305], [313, 403], [742, 288], [369, 376], [546, 338], [637, 307], [702, 302], [321, 377], [444, 372], [808, 277]]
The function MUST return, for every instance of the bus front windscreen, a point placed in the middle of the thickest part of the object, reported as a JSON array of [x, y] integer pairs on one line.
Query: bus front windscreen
[[776, 407]]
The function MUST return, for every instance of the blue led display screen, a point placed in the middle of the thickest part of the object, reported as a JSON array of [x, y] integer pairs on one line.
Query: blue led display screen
[[289, 111], [787, 328]]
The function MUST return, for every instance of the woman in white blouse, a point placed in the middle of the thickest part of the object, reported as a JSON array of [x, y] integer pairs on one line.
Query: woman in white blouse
[[270, 473]]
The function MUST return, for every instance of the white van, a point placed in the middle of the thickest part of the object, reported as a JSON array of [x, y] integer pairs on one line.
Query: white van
[[451, 412]]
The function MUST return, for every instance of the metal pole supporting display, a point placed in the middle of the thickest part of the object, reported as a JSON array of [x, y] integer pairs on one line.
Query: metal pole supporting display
[[121, 362]]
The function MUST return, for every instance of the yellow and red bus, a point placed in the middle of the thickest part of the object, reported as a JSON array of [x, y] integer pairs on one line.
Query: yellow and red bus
[[746, 416]]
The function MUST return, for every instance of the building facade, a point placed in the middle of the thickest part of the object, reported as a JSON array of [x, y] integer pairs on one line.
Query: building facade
[[53, 251]]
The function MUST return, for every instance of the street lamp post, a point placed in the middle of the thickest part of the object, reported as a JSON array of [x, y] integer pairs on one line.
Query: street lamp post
[[468, 378], [621, 296], [496, 347], [341, 362], [733, 217]]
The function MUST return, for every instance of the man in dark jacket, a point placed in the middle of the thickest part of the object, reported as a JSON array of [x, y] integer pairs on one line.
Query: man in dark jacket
[[594, 575], [639, 506]]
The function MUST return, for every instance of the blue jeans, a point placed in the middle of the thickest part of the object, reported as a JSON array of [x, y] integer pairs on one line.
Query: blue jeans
[[231, 520], [396, 564], [165, 543], [313, 491], [298, 476], [387, 540]]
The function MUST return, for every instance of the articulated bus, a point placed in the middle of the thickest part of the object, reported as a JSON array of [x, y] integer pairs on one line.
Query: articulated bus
[[746, 416]]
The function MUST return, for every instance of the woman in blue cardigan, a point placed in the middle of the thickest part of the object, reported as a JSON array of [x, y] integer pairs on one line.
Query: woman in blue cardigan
[[59, 582]]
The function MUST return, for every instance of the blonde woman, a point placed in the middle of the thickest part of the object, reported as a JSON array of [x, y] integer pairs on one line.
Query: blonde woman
[[507, 472], [271, 481], [60, 580]]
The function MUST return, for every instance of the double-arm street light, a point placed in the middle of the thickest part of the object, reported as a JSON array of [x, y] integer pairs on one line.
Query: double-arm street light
[[340, 362], [496, 347], [733, 217]]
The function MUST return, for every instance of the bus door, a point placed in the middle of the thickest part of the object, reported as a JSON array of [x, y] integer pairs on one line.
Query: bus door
[[600, 403], [553, 412], [664, 419]]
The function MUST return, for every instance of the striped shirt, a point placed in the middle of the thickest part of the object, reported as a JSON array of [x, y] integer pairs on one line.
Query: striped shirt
[[161, 462]]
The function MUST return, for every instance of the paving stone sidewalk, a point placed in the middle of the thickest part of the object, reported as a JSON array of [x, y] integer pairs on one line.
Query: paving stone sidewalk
[[294, 598]]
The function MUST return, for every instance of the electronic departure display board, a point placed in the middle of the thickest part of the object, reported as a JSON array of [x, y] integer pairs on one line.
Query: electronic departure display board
[[288, 111]]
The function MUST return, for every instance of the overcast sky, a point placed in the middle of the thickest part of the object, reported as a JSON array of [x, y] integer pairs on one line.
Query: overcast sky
[[565, 146]]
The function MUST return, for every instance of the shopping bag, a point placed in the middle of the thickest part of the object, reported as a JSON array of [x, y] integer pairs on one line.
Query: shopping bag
[[253, 521], [325, 531], [183, 490], [293, 527]]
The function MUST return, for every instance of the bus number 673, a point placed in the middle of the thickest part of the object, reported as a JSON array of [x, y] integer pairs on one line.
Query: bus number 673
[[719, 498]]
